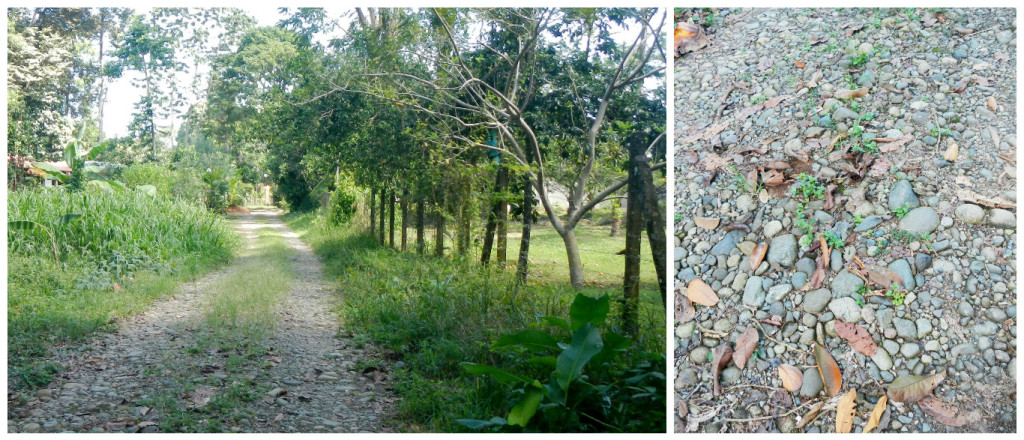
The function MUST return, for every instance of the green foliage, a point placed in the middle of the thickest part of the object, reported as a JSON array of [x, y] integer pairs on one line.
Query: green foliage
[[859, 60], [902, 211], [434, 314], [895, 294], [560, 394], [145, 244], [833, 240], [150, 174], [343, 202], [808, 187], [802, 222]]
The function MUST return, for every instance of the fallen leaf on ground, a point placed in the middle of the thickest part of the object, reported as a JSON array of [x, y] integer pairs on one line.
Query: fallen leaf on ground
[[845, 411], [969, 196], [699, 292], [848, 94], [995, 137], [810, 416], [826, 253], [829, 369], [713, 162], [981, 80], [1001, 56], [894, 145], [707, 222], [883, 276], [690, 37], [778, 165], [757, 255], [991, 103], [745, 344], [880, 167], [814, 282], [719, 357], [962, 180], [859, 338], [684, 309], [876, 415], [791, 377], [851, 28], [775, 101], [947, 414], [278, 418], [773, 178], [910, 388], [200, 396]]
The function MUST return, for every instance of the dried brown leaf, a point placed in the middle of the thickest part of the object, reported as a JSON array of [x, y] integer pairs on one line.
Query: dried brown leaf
[[810, 416], [829, 369], [991, 103], [699, 292], [713, 162], [876, 415], [851, 28], [848, 94], [200, 396], [845, 410], [745, 344], [719, 357], [909, 389], [826, 253], [747, 111], [947, 414], [689, 37], [778, 165], [757, 255], [773, 178], [969, 196], [894, 145], [880, 167], [774, 102], [882, 276], [707, 222], [981, 80], [814, 282], [858, 338], [684, 309], [791, 377]]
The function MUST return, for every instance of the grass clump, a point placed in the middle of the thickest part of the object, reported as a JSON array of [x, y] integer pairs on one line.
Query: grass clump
[[126, 249], [434, 314]]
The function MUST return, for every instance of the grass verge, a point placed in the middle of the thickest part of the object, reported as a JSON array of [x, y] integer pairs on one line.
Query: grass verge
[[432, 314], [125, 250]]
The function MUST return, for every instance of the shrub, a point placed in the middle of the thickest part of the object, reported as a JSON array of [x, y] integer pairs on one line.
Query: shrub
[[343, 202], [149, 174]]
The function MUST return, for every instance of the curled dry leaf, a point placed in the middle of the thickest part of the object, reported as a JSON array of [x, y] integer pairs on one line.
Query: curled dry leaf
[[991, 102], [719, 357], [845, 410], [876, 415], [684, 309], [745, 344], [757, 255], [883, 276], [859, 338], [816, 279], [829, 369], [947, 414], [847, 94], [772, 178], [707, 222], [791, 377], [894, 145], [952, 152], [826, 253], [969, 196], [689, 37], [909, 389], [810, 416], [737, 225], [699, 292]]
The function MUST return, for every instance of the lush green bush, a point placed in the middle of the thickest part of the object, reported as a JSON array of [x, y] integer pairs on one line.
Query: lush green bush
[[145, 244], [343, 202], [149, 174]]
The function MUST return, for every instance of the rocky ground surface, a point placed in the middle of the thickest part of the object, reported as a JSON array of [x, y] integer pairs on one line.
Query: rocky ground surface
[[756, 108], [314, 377]]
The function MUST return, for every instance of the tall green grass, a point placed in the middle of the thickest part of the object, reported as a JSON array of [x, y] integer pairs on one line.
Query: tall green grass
[[434, 313], [127, 249]]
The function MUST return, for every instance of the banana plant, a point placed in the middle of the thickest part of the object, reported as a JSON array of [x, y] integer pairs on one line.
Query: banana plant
[[75, 157], [29, 225]]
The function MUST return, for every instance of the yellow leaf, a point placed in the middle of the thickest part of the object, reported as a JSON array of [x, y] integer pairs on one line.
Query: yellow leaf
[[845, 412], [876, 415]]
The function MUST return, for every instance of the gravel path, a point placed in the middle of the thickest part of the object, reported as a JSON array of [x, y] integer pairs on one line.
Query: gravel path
[[756, 109], [312, 377]]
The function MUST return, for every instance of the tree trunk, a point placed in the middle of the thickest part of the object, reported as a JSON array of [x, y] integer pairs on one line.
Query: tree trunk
[[405, 215], [492, 222], [439, 229], [572, 253], [373, 210], [103, 79], [634, 232], [391, 217], [502, 215], [465, 218], [655, 215], [380, 232], [522, 266], [616, 216], [420, 220]]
